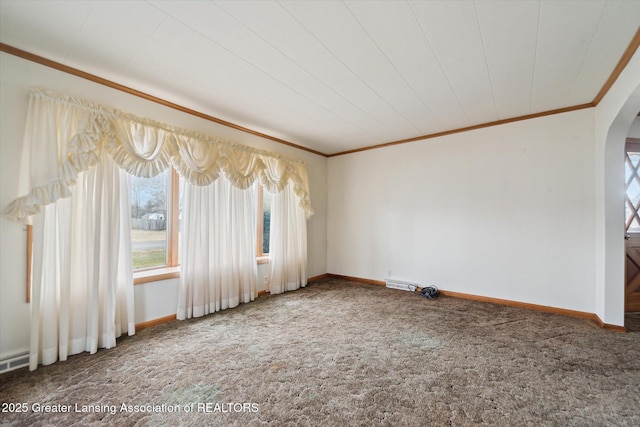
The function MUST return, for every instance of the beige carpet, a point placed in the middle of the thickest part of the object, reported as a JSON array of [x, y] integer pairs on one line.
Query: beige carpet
[[345, 354]]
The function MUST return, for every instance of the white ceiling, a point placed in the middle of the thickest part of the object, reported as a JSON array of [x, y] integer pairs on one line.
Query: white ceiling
[[338, 75]]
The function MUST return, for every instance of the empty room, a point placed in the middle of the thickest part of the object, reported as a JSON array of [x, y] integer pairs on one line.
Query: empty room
[[398, 213]]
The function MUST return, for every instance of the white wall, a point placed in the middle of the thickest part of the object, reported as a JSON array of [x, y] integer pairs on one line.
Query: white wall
[[14, 311], [153, 300], [505, 212]]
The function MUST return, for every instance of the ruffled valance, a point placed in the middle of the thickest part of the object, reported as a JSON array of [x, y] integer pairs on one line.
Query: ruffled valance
[[84, 132]]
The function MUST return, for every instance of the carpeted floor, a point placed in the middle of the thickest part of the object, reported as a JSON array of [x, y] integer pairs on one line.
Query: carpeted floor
[[338, 353]]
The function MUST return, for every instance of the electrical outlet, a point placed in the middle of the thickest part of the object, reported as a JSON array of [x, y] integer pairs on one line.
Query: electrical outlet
[[388, 273], [265, 280]]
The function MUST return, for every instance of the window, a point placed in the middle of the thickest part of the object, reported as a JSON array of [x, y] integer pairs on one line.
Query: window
[[149, 220], [264, 224], [155, 214], [155, 226]]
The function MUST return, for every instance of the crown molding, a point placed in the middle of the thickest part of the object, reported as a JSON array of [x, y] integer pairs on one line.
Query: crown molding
[[117, 86], [468, 128], [622, 63]]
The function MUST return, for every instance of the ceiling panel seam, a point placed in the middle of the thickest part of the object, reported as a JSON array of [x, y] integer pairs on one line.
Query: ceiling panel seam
[[311, 75], [348, 68], [444, 73], [419, 98], [584, 58], [535, 57], [486, 61]]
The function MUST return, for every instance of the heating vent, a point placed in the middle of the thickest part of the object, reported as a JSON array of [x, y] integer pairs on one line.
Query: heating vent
[[14, 362], [400, 284]]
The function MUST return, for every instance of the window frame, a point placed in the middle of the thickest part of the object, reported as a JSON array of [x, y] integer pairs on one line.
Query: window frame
[[261, 257], [171, 269]]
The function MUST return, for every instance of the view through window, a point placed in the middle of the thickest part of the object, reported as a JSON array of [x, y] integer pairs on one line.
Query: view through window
[[149, 220], [154, 230], [266, 221]]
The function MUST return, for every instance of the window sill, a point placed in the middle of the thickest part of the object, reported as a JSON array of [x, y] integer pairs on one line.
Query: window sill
[[157, 274]]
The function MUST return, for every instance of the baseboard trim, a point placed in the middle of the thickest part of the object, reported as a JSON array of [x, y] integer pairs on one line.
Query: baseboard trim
[[607, 326], [171, 318], [320, 277], [357, 279], [537, 307], [555, 310], [547, 309], [155, 322]]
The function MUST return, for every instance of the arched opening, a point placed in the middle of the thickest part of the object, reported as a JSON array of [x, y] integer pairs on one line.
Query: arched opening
[[611, 304]]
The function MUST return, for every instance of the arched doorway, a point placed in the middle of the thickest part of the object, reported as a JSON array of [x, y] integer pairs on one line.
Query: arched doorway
[[610, 298]]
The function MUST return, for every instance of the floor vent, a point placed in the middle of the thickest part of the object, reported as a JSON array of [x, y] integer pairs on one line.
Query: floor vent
[[400, 284], [15, 362]]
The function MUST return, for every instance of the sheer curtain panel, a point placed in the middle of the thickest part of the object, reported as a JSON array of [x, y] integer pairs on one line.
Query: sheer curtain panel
[[218, 268], [82, 296], [82, 286], [288, 243]]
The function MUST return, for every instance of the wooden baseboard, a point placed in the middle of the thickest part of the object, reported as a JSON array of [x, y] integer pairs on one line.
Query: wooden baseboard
[[316, 278], [155, 322], [357, 279], [166, 319], [607, 326], [537, 307], [562, 311]]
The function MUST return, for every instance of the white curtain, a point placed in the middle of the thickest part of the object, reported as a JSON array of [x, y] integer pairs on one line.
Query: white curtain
[[82, 289], [77, 133], [287, 243], [77, 155], [82, 286], [218, 268]]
